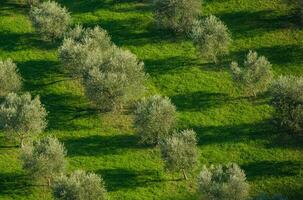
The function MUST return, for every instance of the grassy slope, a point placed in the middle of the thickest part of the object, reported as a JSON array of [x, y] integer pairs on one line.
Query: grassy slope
[[231, 128]]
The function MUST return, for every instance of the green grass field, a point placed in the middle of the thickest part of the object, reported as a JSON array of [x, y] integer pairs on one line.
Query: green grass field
[[230, 127]]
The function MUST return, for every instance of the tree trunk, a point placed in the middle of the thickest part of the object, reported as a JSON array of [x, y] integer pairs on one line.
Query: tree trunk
[[184, 174], [22, 142], [48, 182]]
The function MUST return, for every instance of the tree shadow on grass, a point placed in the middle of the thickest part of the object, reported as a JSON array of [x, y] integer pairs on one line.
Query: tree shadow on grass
[[23, 41], [199, 101], [289, 56], [134, 31], [84, 6], [267, 132], [64, 109], [98, 145], [37, 72], [265, 169], [245, 24], [171, 64], [117, 179], [12, 184]]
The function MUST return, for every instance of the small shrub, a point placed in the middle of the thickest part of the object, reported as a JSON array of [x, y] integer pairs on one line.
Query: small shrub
[[116, 81], [255, 76], [50, 19], [179, 151], [84, 48], [211, 37], [223, 183], [79, 186], [177, 15], [10, 80], [155, 118], [287, 98], [44, 159], [21, 116]]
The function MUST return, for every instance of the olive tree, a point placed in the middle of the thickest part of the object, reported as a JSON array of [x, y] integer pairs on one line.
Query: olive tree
[[116, 81], [211, 37], [287, 98], [177, 15], [21, 116], [84, 48], [179, 151], [155, 117], [255, 76], [44, 159], [79, 186], [50, 19], [223, 183], [10, 79]]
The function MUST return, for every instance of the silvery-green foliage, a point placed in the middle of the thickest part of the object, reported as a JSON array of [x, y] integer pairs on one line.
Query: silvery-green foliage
[[116, 81], [267, 197], [34, 2], [155, 117], [50, 19], [44, 159], [177, 15], [255, 76], [21, 116], [83, 49], [79, 186], [223, 183], [211, 37], [287, 98], [10, 80], [179, 151]]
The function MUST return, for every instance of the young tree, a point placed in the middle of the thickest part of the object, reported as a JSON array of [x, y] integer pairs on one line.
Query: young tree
[[177, 15], [79, 186], [287, 98], [84, 48], [21, 116], [116, 81], [255, 76], [223, 183], [155, 117], [179, 151], [44, 159], [10, 80], [50, 19], [211, 37]]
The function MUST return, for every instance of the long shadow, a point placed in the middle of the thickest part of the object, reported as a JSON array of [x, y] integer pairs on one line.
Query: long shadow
[[117, 179], [245, 24], [199, 101], [21, 41], [14, 184], [267, 132], [7, 6], [277, 169], [134, 31], [171, 64], [83, 6], [98, 145], [289, 56], [235, 133], [64, 109]]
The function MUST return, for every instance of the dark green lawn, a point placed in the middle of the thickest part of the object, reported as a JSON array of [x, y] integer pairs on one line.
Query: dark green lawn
[[230, 127]]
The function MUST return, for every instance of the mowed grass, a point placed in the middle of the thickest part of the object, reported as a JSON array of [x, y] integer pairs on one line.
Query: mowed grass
[[230, 127]]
